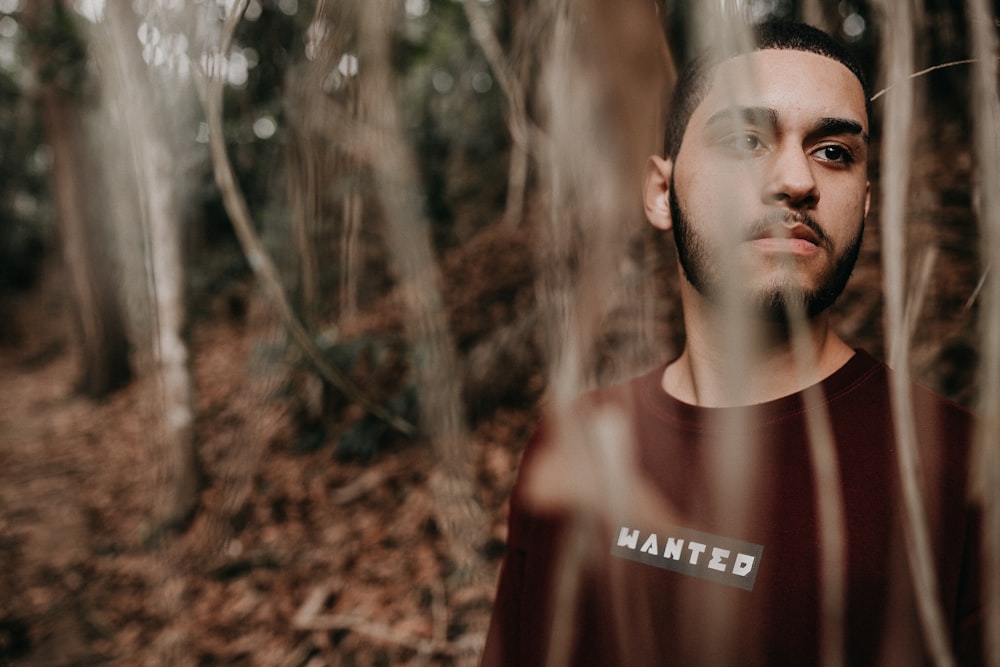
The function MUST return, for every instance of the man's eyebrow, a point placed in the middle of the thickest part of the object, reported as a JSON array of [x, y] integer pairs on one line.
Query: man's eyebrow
[[827, 127], [753, 115], [768, 117]]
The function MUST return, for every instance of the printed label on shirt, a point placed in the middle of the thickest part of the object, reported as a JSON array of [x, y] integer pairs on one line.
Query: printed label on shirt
[[692, 552]]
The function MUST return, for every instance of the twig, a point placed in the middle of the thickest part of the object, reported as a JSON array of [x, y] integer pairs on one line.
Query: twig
[[371, 479], [308, 618], [373, 630], [921, 73], [299, 655], [979, 288], [488, 42], [522, 130], [311, 607], [439, 611]]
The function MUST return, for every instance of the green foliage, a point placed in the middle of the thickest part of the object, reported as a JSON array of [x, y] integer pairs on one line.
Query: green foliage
[[59, 50], [272, 42], [276, 41], [370, 436], [23, 189], [452, 108], [454, 112], [378, 363]]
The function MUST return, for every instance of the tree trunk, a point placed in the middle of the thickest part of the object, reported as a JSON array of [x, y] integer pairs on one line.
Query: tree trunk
[[436, 367], [141, 104], [104, 359]]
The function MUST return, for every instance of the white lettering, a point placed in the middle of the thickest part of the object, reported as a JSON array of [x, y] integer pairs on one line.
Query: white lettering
[[697, 554], [627, 539], [718, 561], [672, 548], [743, 564], [696, 548]]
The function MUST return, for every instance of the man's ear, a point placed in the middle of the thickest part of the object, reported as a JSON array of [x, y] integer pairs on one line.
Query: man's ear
[[868, 197], [656, 192]]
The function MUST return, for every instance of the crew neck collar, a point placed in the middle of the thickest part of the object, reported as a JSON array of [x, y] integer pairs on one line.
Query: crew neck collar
[[651, 393]]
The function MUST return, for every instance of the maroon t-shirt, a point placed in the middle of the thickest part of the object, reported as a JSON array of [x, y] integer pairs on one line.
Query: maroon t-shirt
[[731, 574]]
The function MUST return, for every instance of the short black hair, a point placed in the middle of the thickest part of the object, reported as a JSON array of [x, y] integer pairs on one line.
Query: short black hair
[[695, 79]]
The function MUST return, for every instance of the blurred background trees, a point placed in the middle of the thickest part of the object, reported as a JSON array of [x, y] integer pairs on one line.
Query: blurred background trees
[[106, 167], [292, 108]]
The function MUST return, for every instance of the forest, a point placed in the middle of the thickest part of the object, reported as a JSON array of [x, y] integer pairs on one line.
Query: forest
[[286, 286]]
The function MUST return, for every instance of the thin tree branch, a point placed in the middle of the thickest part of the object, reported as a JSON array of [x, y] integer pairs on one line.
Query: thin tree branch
[[522, 130], [488, 42], [898, 53], [917, 75], [309, 617]]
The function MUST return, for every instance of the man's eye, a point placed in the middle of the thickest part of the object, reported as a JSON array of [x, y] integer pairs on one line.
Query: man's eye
[[834, 154], [745, 143]]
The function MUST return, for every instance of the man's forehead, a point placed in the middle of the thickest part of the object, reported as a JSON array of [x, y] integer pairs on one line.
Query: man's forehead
[[789, 76]]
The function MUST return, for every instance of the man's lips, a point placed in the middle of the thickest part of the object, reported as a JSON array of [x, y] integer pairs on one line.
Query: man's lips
[[796, 231], [784, 231]]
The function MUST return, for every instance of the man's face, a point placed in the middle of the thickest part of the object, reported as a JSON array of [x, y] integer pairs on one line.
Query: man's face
[[769, 190]]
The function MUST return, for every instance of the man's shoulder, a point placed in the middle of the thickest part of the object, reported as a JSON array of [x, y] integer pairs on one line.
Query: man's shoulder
[[874, 376], [941, 426]]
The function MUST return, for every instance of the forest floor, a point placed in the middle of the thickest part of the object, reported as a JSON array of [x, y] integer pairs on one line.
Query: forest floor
[[293, 558]]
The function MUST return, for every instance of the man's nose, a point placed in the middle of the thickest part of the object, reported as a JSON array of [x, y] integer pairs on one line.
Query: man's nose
[[790, 180]]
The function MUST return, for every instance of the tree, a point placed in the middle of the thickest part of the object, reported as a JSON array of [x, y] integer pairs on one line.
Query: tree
[[151, 165], [57, 58]]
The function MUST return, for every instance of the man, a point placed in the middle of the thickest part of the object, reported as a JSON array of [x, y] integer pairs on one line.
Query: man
[[742, 504]]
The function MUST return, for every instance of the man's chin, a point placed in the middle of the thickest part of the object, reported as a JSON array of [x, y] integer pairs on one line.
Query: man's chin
[[772, 306], [785, 305]]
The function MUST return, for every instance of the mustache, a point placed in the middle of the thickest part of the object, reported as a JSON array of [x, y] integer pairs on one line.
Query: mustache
[[776, 219]]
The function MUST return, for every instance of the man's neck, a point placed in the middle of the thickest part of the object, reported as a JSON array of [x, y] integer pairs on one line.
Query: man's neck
[[719, 369]]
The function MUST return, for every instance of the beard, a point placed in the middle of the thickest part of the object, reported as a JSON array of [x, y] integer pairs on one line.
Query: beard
[[700, 264]]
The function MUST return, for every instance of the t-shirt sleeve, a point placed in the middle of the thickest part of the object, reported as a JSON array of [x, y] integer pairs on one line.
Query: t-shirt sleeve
[[502, 638], [516, 630]]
